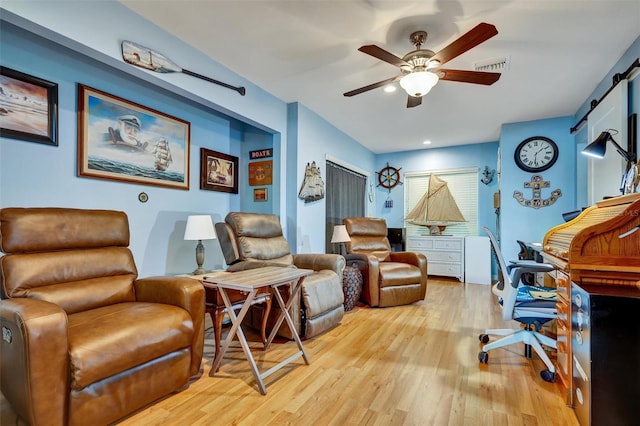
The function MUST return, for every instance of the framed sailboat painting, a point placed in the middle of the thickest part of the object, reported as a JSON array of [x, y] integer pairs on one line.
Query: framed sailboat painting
[[124, 141], [218, 171]]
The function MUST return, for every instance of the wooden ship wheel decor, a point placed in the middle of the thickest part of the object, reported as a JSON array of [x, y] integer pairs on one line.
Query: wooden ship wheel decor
[[389, 177]]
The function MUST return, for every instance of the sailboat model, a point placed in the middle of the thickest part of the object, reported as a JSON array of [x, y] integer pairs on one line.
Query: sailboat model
[[436, 209]]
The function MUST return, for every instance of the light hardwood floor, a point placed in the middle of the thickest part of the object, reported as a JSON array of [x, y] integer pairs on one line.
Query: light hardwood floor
[[406, 365]]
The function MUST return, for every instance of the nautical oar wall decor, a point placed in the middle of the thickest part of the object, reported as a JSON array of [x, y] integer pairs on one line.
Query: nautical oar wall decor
[[146, 58]]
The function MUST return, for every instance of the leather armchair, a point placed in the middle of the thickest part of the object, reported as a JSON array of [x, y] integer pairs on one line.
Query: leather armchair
[[84, 341], [252, 240], [390, 278]]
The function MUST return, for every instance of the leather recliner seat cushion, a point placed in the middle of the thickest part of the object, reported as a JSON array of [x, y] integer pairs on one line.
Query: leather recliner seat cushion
[[395, 274], [108, 340]]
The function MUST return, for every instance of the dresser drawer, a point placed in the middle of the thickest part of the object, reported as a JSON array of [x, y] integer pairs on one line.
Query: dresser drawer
[[445, 269], [416, 244], [443, 256], [448, 244]]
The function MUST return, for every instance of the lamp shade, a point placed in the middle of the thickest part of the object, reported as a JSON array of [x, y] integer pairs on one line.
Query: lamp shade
[[340, 234], [199, 227], [598, 147], [418, 83]]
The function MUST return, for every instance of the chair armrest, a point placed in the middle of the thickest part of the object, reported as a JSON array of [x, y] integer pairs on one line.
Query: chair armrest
[[243, 265], [184, 292], [517, 269], [35, 363], [412, 258], [318, 262], [369, 265], [531, 264]]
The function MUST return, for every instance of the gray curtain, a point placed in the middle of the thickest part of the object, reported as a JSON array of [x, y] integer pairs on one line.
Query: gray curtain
[[345, 197]]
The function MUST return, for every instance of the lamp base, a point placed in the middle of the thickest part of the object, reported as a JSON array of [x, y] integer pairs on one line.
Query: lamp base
[[199, 258]]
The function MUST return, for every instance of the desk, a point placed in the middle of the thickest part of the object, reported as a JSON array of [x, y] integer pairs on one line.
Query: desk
[[256, 282]]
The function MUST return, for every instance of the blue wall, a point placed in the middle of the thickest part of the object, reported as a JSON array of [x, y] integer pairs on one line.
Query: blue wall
[[466, 156], [315, 139], [525, 223]]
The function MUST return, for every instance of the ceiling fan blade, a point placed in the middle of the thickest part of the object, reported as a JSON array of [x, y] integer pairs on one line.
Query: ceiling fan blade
[[476, 77], [383, 55], [372, 86], [413, 101], [480, 33]]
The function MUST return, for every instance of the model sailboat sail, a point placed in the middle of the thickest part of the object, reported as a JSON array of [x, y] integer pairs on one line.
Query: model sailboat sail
[[437, 208]]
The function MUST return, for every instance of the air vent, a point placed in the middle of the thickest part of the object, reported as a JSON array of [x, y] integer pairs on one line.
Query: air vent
[[493, 65]]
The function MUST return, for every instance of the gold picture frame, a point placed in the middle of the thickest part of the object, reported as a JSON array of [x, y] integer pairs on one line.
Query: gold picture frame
[[124, 141], [260, 194]]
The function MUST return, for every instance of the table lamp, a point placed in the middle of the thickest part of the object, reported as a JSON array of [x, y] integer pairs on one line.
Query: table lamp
[[340, 236], [199, 227]]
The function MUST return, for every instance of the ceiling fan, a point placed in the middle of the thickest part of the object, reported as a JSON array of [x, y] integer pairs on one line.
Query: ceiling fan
[[420, 68]]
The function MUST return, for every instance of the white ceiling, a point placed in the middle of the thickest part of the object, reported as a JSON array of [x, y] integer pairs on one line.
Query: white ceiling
[[306, 51]]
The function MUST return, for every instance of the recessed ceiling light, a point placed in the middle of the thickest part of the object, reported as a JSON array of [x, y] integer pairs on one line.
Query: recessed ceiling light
[[426, 143], [390, 88]]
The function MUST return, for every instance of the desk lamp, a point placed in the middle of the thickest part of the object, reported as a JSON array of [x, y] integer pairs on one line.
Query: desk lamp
[[598, 147], [199, 227], [340, 236]]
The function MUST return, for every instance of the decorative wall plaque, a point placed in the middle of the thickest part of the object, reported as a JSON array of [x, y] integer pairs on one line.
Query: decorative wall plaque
[[536, 184]]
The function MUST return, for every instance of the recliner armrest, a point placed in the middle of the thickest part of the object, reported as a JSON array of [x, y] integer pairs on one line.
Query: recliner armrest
[[184, 292], [412, 258], [35, 359], [318, 262], [243, 265], [369, 265]]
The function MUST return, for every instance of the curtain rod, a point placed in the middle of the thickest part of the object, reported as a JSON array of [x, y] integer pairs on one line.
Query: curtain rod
[[345, 169], [617, 78]]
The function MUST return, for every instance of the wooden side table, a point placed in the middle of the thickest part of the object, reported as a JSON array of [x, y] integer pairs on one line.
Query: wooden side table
[[255, 282], [215, 307]]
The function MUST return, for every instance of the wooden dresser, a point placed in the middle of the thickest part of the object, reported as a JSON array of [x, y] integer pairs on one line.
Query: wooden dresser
[[445, 254], [587, 251]]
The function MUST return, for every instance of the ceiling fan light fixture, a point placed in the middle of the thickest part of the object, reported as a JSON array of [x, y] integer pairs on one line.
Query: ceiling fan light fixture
[[418, 83]]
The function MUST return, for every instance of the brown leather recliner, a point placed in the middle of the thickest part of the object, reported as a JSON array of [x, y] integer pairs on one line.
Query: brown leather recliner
[[83, 340], [253, 240], [390, 278]]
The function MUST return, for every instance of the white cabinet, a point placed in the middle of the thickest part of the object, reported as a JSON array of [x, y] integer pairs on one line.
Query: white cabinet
[[445, 255], [477, 262]]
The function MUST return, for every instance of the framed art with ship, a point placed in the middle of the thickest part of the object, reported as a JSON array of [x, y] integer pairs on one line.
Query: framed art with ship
[[218, 171], [124, 141]]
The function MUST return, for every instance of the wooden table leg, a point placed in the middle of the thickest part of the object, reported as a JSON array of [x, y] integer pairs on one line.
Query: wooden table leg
[[284, 315], [265, 317], [235, 325]]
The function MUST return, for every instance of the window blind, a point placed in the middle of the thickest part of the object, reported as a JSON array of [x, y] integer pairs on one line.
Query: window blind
[[463, 185]]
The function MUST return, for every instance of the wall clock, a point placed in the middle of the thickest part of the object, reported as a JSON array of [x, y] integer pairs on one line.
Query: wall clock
[[536, 154]]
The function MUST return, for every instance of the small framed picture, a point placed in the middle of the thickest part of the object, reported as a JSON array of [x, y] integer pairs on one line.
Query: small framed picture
[[218, 171], [260, 194], [261, 173], [28, 107]]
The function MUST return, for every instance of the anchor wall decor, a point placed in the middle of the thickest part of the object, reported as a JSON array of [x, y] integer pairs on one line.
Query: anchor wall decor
[[536, 184]]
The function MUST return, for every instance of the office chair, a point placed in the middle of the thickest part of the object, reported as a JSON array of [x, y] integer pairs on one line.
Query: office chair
[[531, 306], [526, 254]]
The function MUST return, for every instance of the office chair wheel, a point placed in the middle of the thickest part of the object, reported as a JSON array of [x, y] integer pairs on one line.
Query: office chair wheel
[[483, 357], [484, 338], [548, 376]]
